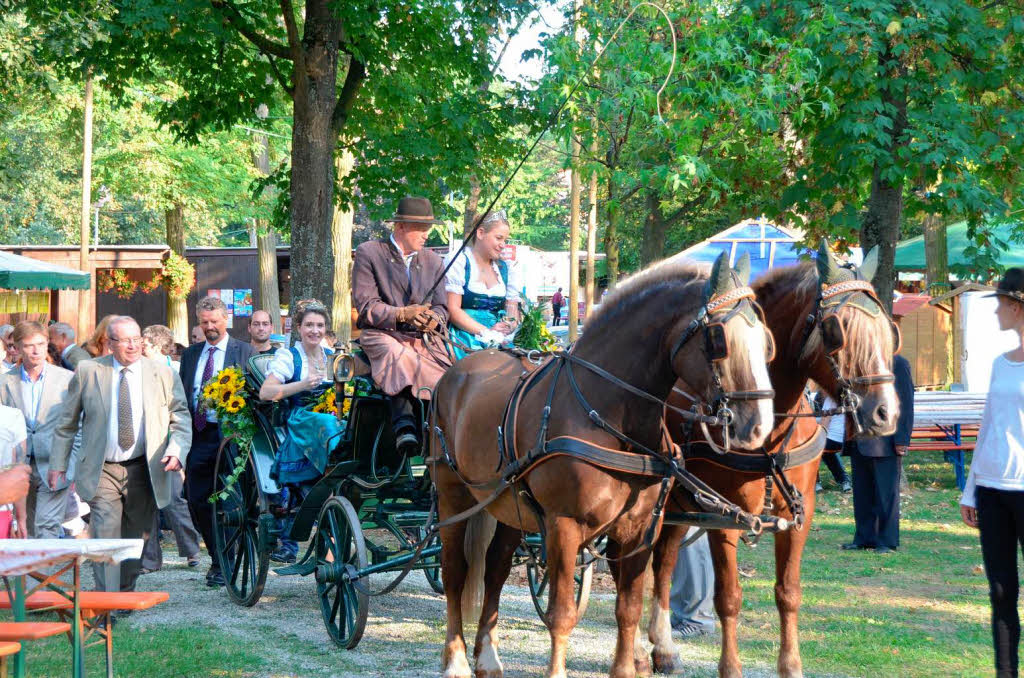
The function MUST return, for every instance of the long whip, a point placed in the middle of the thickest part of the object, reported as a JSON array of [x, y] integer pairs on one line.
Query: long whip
[[554, 118]]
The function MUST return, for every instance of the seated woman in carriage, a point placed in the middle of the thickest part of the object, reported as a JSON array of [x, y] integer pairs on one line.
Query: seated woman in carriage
[[483, 290], [297, 374]]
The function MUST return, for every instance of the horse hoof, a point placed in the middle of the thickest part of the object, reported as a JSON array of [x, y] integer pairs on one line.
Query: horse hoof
[[642, 667], [664, 662], [496, 673]]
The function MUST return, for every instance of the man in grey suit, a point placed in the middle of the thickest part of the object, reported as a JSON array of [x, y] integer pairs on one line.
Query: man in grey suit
[[62, 336], [38, 389], [135, 434], [199, 363]]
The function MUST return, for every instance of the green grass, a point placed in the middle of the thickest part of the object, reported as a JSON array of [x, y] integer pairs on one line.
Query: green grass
[[921, 612]]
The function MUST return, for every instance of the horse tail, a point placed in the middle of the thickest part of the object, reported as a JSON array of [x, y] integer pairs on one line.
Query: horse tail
[[479, 533]]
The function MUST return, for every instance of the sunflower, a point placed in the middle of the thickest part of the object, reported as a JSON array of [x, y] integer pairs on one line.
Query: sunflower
[[225, 397], [224, 377], [235, 404], [212, 390]]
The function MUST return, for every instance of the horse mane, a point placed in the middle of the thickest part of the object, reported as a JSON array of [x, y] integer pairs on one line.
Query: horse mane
[[801, 281], [657, 278]]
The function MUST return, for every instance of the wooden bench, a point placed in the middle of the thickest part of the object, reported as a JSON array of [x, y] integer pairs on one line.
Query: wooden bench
[[94, 607], [952, 441], [6, 650]]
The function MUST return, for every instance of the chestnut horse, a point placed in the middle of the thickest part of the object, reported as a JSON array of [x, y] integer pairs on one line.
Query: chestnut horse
[[831, 328], [495, 411]]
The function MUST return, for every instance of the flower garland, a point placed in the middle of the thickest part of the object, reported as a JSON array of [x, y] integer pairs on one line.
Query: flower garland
[[224, 395], [327, 402], [177, 276]]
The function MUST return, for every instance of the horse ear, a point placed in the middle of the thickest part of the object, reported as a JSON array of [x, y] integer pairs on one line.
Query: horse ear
[[870, 265], [721, 276], [828, 268], [742, 268]]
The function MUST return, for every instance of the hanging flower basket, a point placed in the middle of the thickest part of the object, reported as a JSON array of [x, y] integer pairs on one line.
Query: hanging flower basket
[[177, 276]]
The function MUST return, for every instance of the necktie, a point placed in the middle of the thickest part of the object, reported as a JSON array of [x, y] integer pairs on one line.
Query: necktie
[[199, 418], [125, 429]]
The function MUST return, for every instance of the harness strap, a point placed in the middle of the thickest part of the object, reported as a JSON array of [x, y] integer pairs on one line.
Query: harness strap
[[742, 462]]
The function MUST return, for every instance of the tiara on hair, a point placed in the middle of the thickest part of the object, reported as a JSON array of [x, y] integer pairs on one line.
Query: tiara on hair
[[493, 216]]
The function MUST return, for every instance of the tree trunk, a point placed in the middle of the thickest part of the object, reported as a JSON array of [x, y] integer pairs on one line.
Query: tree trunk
[[936, 256], [314, 138], [266, 240], [472, 205], [611, 233], [86, 299], [177, 313], [575, 189], [341, 232], [881, 224], [590, 290], [653, 247]]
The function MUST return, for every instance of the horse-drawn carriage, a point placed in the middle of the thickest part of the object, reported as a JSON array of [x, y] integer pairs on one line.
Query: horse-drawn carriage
[[368, 514]]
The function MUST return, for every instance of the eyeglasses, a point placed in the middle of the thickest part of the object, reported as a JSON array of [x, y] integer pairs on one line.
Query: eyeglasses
[[129, 341]]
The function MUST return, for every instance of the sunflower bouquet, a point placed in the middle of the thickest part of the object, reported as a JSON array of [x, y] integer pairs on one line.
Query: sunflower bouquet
[[327, 402], [533, 333], [224, 395]]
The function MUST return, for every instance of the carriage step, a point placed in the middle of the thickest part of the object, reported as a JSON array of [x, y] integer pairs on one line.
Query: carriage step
[[302, 568]]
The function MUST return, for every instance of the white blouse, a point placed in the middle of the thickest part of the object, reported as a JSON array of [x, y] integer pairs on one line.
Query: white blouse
[[455, 281], [999, 452], [282, 365]]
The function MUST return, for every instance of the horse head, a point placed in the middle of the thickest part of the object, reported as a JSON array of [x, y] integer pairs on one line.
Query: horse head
[[729, 372], [850, 341]]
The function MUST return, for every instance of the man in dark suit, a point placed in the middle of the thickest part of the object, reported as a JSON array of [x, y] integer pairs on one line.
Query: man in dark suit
[[199, 363], [62, 336], [876, 463]]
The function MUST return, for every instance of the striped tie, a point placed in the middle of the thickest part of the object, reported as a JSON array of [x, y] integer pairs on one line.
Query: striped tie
[[125, 429]]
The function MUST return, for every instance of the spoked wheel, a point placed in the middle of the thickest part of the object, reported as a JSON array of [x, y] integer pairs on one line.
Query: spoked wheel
[[433, 573], [240, 546], [339, 548], [540, 587]]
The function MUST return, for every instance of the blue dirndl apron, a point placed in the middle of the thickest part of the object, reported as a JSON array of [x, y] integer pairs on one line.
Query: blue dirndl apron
[[483, 308], [310, 436]]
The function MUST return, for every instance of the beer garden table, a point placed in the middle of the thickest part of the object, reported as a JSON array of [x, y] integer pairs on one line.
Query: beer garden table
[[46, 561]]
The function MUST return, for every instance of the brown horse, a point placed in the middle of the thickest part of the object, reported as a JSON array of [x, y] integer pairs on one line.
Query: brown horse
[[859, 357], [643, 338]]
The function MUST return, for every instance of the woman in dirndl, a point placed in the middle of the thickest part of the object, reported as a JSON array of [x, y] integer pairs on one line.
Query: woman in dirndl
[[483, 290], [298, 374]]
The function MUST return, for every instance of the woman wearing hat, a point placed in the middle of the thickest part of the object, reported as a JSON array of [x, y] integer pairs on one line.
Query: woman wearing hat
[[483, 293], [993, 499]]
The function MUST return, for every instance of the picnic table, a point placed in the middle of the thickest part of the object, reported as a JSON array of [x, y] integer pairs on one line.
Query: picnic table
[[46, 561], [945, 416]]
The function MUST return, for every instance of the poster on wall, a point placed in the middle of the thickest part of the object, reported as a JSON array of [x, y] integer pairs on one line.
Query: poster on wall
[[228, 297], [243, 302]]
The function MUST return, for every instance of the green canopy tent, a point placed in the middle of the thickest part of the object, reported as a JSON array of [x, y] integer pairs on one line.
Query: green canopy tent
[[24, 273], [910, 252]]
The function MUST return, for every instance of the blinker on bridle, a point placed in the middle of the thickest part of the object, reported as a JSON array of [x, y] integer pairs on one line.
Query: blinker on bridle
[[727, 306], [833, 340]]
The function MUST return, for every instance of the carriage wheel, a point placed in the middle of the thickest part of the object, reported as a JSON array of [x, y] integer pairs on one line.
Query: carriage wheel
[[240, 546], [433, 574], [537, 576], [340, 546]]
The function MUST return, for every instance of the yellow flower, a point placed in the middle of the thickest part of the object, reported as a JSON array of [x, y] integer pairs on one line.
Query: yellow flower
[[235, 404], [211, 391]]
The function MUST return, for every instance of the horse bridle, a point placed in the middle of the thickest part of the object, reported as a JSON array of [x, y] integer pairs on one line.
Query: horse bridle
[[711, 320], [833, 339]]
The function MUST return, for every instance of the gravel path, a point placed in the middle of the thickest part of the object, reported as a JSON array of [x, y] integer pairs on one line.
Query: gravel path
[[404, 633]]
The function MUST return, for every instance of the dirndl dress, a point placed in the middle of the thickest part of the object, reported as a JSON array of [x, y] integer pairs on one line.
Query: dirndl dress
[[484, 308]]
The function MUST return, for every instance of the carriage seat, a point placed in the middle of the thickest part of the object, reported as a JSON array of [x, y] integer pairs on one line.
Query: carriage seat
[[257, 372]]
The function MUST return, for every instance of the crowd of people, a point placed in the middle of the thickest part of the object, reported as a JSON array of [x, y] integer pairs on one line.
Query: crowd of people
[[115, 425]]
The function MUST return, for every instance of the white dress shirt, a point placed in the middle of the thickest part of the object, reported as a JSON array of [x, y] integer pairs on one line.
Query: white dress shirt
[[220, 352], [406, 257], [134, 378], [32, 395]]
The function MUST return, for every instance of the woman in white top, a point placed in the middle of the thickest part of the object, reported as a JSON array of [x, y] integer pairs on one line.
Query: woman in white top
[[993, 499], [835, 437], [483, 290], [13, 435]]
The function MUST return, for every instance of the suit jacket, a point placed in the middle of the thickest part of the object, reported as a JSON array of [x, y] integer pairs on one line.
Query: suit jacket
[[380, 284], [76, 355], [885, 446], [165, 411], [51, 405], [236, 354]]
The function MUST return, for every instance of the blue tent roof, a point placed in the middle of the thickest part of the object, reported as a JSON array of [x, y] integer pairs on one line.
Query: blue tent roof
[[768, 245]]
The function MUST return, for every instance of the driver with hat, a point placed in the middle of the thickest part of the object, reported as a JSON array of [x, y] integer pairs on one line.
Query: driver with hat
[[390, 279]]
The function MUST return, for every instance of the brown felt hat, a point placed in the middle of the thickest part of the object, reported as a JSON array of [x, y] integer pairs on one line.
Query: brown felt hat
[[1012, 285], [415, 211]]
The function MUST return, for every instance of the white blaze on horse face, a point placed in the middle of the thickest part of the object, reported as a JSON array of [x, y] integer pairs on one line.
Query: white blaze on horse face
[[756, 342]]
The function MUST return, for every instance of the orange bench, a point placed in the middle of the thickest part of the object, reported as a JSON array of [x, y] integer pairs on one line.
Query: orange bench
[[6, 650], [94, 607], [15, 631]]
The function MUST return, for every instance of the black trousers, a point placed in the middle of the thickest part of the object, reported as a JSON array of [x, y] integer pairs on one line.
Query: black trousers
[[556, 314], [876, 499], [200, 469], [404, 412], [1001, 519], [833, 461]]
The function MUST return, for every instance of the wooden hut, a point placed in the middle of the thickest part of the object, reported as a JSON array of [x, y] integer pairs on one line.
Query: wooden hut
[[927, 341]]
